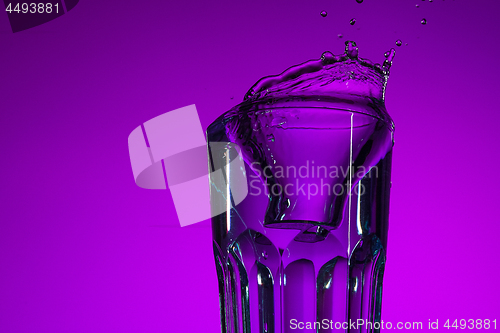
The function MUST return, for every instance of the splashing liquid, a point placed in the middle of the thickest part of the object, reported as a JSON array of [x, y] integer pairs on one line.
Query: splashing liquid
[[308, 243]]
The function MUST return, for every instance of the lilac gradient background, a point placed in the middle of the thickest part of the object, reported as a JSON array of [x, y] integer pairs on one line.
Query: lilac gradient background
[[83, 249]]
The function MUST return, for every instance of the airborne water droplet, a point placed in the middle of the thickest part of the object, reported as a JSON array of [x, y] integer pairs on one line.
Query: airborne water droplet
[[399, 42], [265, 255], [352, 22], [270, 137], [340, 35], [323, 13], [417, 6], [359, 1], [424, 21]]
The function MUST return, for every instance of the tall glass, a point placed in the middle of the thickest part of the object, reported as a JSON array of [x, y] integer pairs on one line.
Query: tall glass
[[305, 249]]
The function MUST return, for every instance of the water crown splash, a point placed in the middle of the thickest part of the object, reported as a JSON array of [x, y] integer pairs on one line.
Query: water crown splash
[[345, 73]]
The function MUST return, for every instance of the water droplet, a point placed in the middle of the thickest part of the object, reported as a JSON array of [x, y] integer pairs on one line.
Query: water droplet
[[417, 6], [270, 137], [430, 0], [327, 57], [388, 61], [265, 255], [352, 21], [399, 42], [406, 44], [359, 1], [323, 13], [424, 21], [340, 35], [351, 50]]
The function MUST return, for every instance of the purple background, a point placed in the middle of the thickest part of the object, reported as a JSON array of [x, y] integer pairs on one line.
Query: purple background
[[83, 249]]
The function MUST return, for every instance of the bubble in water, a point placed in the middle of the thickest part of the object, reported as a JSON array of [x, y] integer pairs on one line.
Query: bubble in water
[[424, 21], [359, 1], [323, 13], [265, 255], [399, 42], [257, 126], [270, 137], [278, 121], [352, 22]]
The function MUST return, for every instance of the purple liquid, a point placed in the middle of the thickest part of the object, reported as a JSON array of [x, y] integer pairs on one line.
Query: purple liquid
[[307, 245]]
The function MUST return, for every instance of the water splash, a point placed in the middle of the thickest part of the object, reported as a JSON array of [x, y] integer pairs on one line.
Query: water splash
[[330, 74], [323, 13]]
